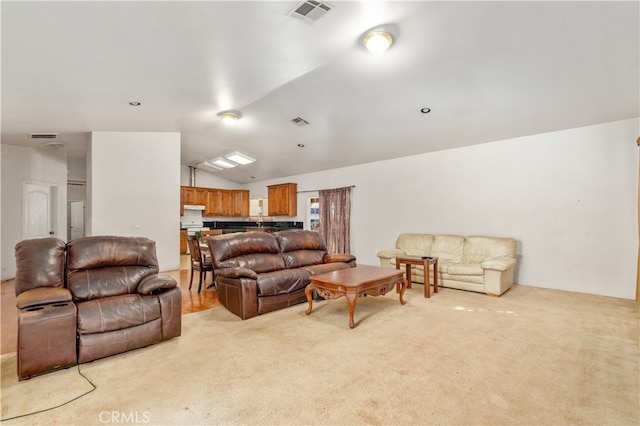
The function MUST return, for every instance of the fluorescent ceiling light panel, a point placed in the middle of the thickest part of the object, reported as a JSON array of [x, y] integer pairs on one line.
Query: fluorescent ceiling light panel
[[222, 162], [208, 167], [240, 158]]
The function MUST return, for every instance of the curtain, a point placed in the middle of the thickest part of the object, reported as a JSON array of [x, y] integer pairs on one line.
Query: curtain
[[335, 218]]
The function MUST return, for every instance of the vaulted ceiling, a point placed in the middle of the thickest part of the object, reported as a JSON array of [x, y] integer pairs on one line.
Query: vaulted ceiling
[[486, 70]]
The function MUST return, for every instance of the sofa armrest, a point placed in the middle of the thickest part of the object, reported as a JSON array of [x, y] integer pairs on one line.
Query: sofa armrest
[[390, 254], [338, 257], [43, 296], [237, 273], [155, 282], [499, 263]]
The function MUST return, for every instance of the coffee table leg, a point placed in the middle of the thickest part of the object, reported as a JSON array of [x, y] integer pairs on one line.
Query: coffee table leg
[[351, 302], [307, 292], [403, 283]]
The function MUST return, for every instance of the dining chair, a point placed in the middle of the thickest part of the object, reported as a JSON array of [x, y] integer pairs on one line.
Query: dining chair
[[205, 234], [199, 262]]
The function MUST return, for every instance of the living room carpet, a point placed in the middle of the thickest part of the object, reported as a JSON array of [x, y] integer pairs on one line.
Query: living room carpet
[[532, 356]]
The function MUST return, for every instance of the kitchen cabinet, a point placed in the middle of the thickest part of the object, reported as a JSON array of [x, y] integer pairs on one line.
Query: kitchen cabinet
[[193, 195], [183, 241], [213, 207], [216, 202], [240, 203], [283, 199]]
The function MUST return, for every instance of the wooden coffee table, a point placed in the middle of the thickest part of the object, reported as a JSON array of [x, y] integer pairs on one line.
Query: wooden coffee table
[[355, 282]]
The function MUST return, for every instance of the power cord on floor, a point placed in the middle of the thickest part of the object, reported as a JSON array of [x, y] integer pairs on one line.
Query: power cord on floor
[[93, 387]]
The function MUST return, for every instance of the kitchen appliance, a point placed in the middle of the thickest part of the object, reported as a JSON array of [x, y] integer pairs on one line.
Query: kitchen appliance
[[192, 220]]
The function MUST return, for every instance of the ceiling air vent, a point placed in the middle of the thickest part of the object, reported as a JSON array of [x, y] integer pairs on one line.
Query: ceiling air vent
[[43, 135], [310, 10], [299, 121]]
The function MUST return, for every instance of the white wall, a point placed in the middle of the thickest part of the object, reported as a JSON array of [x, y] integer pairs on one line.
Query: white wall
[[568, 197], [134, 179], [20, 164]]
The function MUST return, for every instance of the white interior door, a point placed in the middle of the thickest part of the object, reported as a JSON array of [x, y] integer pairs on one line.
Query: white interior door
[[39, 210], [76, 209]]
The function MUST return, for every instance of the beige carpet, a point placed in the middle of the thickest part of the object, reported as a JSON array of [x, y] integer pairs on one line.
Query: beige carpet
[[532, 356]]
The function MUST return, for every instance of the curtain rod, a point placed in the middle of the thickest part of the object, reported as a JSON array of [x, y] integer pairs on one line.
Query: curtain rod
[[318, 190]]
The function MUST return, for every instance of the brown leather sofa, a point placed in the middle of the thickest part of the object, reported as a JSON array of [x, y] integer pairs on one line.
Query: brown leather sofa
[[90, 298], [260, 272]]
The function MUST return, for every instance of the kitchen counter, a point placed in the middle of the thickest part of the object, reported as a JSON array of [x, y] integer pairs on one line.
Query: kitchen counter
[[241, 226]]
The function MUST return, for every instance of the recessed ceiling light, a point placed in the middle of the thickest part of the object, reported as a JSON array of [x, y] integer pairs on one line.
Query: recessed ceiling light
[[222, 162], [300, 145], [425, 110], [134, 103], [240, 158]]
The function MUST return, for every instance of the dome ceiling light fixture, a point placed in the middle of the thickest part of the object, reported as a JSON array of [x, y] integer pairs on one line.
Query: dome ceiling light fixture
[[55, 145], [377, 42], [229, 117]]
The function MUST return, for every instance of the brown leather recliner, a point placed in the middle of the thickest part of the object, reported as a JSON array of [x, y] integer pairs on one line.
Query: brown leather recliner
[[88, 299]]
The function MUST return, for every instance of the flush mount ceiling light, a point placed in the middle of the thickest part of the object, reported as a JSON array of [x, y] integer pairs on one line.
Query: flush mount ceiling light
[[55, 144], [229, 117], [240, 158], [222, 162], [208, 167], [377, 42]]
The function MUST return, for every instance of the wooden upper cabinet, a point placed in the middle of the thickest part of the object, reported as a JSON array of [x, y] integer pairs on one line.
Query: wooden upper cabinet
[[283, 199], [193, 195], [227, 202], [240, 203], [216, 202]]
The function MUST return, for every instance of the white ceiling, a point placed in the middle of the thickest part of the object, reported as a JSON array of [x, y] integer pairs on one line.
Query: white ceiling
[[488, 71]]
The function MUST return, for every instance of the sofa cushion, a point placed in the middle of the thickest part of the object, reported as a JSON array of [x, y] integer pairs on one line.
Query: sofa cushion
[[87, 284], [104, 266], [465, 269], [116, 313], [104, 251], [258, 251], [415, 244], [40, 263], [326, 267], [448, 247], [478, 248], [258, 262], [300, 248], [282, 281]]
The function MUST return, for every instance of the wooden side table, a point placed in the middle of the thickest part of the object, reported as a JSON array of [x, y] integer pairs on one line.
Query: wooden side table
[[421, 260]]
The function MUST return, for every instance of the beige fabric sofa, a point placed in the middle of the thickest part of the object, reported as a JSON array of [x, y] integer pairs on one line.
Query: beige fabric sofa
[[475, 263]]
